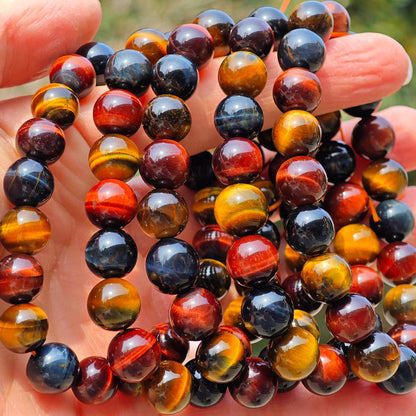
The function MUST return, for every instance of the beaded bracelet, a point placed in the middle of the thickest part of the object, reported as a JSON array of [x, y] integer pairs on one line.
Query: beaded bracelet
[[237, 241]]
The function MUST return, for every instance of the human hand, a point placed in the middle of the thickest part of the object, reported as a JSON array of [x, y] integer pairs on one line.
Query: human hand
[[357, 70]]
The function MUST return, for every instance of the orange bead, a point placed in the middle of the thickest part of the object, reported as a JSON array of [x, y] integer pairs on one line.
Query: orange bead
[[150, 42]]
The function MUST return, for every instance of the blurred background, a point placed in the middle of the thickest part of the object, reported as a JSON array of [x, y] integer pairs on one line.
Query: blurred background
[[395, 18]]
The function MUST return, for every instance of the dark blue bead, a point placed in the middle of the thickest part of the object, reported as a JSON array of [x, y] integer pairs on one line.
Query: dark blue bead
[[363, 110], [201, 174], [267, 311], [403, 380], [129, 70], [52, 368], [204, 393], [172, 265], [271, 232], [309, 230], [111, 253], [176, 75], [28, 182], [275, 18], [98, 54], [338, 160], [396, 220], [238, 116], [301, 48]]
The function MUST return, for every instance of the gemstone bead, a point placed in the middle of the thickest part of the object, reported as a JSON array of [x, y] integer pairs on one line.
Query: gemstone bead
[[213, 276], [400, 304], [330, 124], [203, 205], [172, 345], [367, 282], [150, 42]]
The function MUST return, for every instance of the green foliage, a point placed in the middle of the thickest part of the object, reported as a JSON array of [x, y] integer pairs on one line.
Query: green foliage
[[394, 18]]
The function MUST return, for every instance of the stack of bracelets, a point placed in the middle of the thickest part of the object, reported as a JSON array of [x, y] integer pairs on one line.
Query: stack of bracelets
[[310, 181]]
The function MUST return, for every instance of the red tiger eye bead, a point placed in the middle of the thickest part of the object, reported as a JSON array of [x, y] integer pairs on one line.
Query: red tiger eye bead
[[111, 203], [367, 282], [404, 333], [173, 346], [341, 16]]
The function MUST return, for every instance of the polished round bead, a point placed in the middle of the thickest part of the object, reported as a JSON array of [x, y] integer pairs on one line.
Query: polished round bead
[[129, 70], [292, 285], [252, 260], [296, 133], [175, 75], [394, 220], [221, 357], [363, 110], [56, 102], [165, 164], [403, 381], [150, 42], [309, 230], [169, 388], [238, 116], [252, 34], [114, 157], [330, 124], [294, 260], [28, 182], [111, 253], [301, 48], [373, 137], [400, 304], [21, 278], [24, 229], [272, 197], [357, 244], [192, 41], [338, 160], [212, 242], [113, 304], [130, 389], [172, 345], [166, 117], [195, 314], [172, 265], [111, 203], [357, 311], [134, 355], [40, 139], [276, 19], [219, 25], [367, 282], [326, 277], [204, 393], [384, 179], [347, 203], [118, 112], [98, 54], [297, 89], [95, 382], [52, 368], [270, 301], [237, 160], [305, 320], [375, 359], [74, 71], [201, 174], [312, 15], [213, 276], [271, 232], [331, 373], [241, 209], [162, 213], [397, 263], [256, 385], [301, 180], [23, 327], [341, 16], [405, 334], [242, 73], [232, 318], [294, 355], [203, 205]]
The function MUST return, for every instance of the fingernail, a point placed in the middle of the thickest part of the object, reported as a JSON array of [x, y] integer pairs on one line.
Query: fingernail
[[409, 73]]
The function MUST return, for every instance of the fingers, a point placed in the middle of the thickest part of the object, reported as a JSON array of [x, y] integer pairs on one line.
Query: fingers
[[34, 33]]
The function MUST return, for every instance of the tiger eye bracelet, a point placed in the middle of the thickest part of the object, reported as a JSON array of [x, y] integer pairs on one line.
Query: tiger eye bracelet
[[254, 326]]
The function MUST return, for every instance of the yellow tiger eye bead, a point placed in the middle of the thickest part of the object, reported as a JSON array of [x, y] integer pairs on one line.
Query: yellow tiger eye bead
[[23, 327], [241, 209], [24, 229], [56, 102], [150, 42], [294, 355], [357, 244], [305, 320], [400, 304]]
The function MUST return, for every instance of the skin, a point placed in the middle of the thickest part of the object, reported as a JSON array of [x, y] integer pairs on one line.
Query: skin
[[356, 70]]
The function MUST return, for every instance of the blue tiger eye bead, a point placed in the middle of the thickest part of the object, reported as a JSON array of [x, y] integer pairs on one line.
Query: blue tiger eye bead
[[238, 116], [52, 368], [28, 182]]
